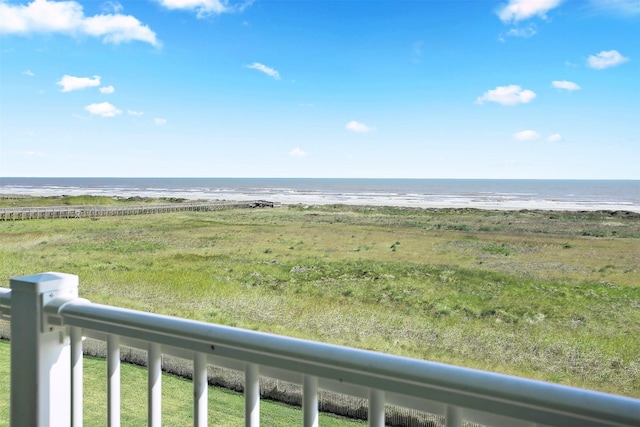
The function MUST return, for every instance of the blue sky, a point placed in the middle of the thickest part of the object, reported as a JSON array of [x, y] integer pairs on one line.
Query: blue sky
[[540, 89]]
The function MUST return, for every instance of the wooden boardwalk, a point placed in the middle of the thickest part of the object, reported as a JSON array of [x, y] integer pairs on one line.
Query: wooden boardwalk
[[18, 214]]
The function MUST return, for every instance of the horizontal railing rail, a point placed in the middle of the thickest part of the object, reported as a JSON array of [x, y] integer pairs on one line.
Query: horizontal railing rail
[[455, 393]]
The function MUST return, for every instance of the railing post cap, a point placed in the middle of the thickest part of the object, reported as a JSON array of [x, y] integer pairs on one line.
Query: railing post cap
[[44, 282]]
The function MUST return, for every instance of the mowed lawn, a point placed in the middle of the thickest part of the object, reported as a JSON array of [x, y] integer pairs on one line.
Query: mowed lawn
[[226, 408], [545, 295]]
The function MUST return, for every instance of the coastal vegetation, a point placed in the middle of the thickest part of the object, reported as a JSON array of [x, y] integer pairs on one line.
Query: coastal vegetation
[[84, 200], [546, 295]]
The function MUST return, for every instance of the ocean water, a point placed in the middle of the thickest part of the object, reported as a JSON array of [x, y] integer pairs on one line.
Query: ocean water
[[437, 193]]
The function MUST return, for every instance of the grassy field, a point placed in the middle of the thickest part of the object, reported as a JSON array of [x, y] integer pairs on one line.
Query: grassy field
[[546, 295]]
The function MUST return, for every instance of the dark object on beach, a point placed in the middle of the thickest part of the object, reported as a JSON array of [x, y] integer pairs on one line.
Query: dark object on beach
[[261, 204]]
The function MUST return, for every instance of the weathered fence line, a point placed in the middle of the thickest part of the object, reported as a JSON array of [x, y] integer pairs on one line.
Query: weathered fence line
[[69, 212]]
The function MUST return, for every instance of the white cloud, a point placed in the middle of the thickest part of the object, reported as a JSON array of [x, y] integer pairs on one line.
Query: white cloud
[[103, 109], [563, 84], [70, 83], [296, 152], [355, 126], [521, 10], [40, 15], [527, 135], [606, 59], [34, 153], [134, 113], [159, 121], [28, 73], [204, 8], [556, 137], [507, 95], [525, 32], [112, 6], [267, 70], [44, 16], [205, 5], [107, 89], [119, 28], [624, 7]]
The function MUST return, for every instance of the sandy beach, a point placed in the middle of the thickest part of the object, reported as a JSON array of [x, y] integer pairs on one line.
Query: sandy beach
[[451, 203], [418, 201]]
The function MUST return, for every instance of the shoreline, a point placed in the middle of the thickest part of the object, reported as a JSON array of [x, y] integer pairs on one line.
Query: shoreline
[[369, 200], [504, 195], [518, 206]]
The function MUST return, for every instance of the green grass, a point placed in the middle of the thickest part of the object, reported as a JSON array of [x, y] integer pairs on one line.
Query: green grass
[[226, 408], [525, 293]]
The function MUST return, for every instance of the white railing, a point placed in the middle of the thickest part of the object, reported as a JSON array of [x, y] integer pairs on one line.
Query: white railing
[[48, 322]]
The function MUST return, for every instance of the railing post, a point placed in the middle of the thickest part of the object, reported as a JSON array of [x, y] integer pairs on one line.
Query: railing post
[[310, 401], [76, 377], [200, 390], [454, 416], [40, 356], [154, 387], [376, 408], [251, 395], [113, 381]]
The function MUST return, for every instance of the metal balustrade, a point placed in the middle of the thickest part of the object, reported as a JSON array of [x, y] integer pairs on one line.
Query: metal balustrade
[[49, 321]]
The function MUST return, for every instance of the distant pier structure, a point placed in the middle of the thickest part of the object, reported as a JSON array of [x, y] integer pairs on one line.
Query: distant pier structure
[[49, 212]]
